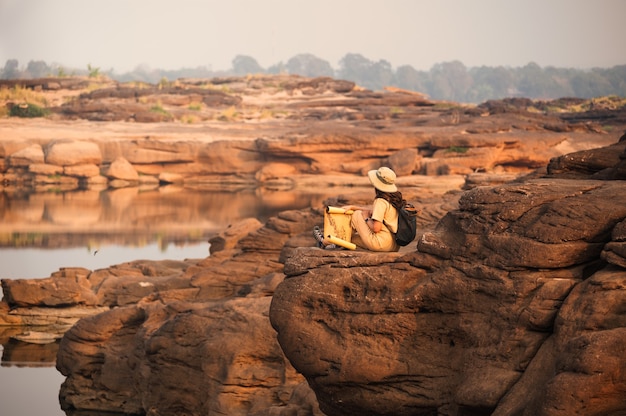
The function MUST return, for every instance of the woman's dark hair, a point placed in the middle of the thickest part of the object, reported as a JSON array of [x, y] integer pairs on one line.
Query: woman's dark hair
[[394, 198]]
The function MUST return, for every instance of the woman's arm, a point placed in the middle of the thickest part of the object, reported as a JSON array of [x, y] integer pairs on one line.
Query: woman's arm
[[374, 225], [366, 212], [377, 215]]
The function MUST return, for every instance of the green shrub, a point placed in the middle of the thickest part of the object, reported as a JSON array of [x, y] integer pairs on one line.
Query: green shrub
[[158, 108], [28, 110], [93, 71], [457, 149]]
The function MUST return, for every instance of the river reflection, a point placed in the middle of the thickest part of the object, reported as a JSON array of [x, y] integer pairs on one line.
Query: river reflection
[[43, 231], [134, 217]]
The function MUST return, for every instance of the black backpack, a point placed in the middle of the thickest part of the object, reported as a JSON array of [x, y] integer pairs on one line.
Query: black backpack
[[407, 224]]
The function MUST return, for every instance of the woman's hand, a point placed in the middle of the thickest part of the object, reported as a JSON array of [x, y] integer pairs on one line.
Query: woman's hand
[[374, 225]]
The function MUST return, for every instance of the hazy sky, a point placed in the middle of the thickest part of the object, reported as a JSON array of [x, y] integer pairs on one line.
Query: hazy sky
[[166, 34]]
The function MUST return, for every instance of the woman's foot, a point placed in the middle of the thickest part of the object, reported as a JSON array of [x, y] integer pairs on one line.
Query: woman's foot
[[319, 237]]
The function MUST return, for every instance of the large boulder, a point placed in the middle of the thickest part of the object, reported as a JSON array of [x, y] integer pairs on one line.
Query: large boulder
[[72, 152], [65, 290], [605, 162], [404, 162], [180, 358], [32, 154], [229, 238], [122, 169]]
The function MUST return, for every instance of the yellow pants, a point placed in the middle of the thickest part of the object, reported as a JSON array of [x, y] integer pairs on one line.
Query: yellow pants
[[366, 238]]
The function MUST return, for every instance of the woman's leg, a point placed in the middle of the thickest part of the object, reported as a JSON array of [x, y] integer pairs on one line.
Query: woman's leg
[[366, 237]]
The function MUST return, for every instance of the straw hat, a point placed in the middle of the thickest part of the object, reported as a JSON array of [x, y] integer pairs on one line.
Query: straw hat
[[383, 179]]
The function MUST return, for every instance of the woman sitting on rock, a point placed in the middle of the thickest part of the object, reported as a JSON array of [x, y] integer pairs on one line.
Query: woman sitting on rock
[[375, 226]]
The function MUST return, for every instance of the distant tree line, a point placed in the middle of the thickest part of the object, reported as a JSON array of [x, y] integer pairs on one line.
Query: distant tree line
[[450, 81]]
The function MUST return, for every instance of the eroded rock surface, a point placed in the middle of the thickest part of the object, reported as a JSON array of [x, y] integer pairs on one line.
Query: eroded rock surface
[[513, 305], [176, 358]]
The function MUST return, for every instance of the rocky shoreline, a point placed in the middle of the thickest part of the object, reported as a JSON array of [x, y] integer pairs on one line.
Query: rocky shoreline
[[508, 303]]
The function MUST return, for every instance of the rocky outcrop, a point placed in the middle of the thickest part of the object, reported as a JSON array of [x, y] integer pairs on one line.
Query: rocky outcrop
[[176, 358], [207, 130], [32, 154], [513, 305], [72, 153], [190, 338], [48, 84], [602, 163]]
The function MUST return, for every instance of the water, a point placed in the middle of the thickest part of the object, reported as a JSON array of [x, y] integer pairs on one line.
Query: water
[[30, 389], [42, 232], [36, 263]]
